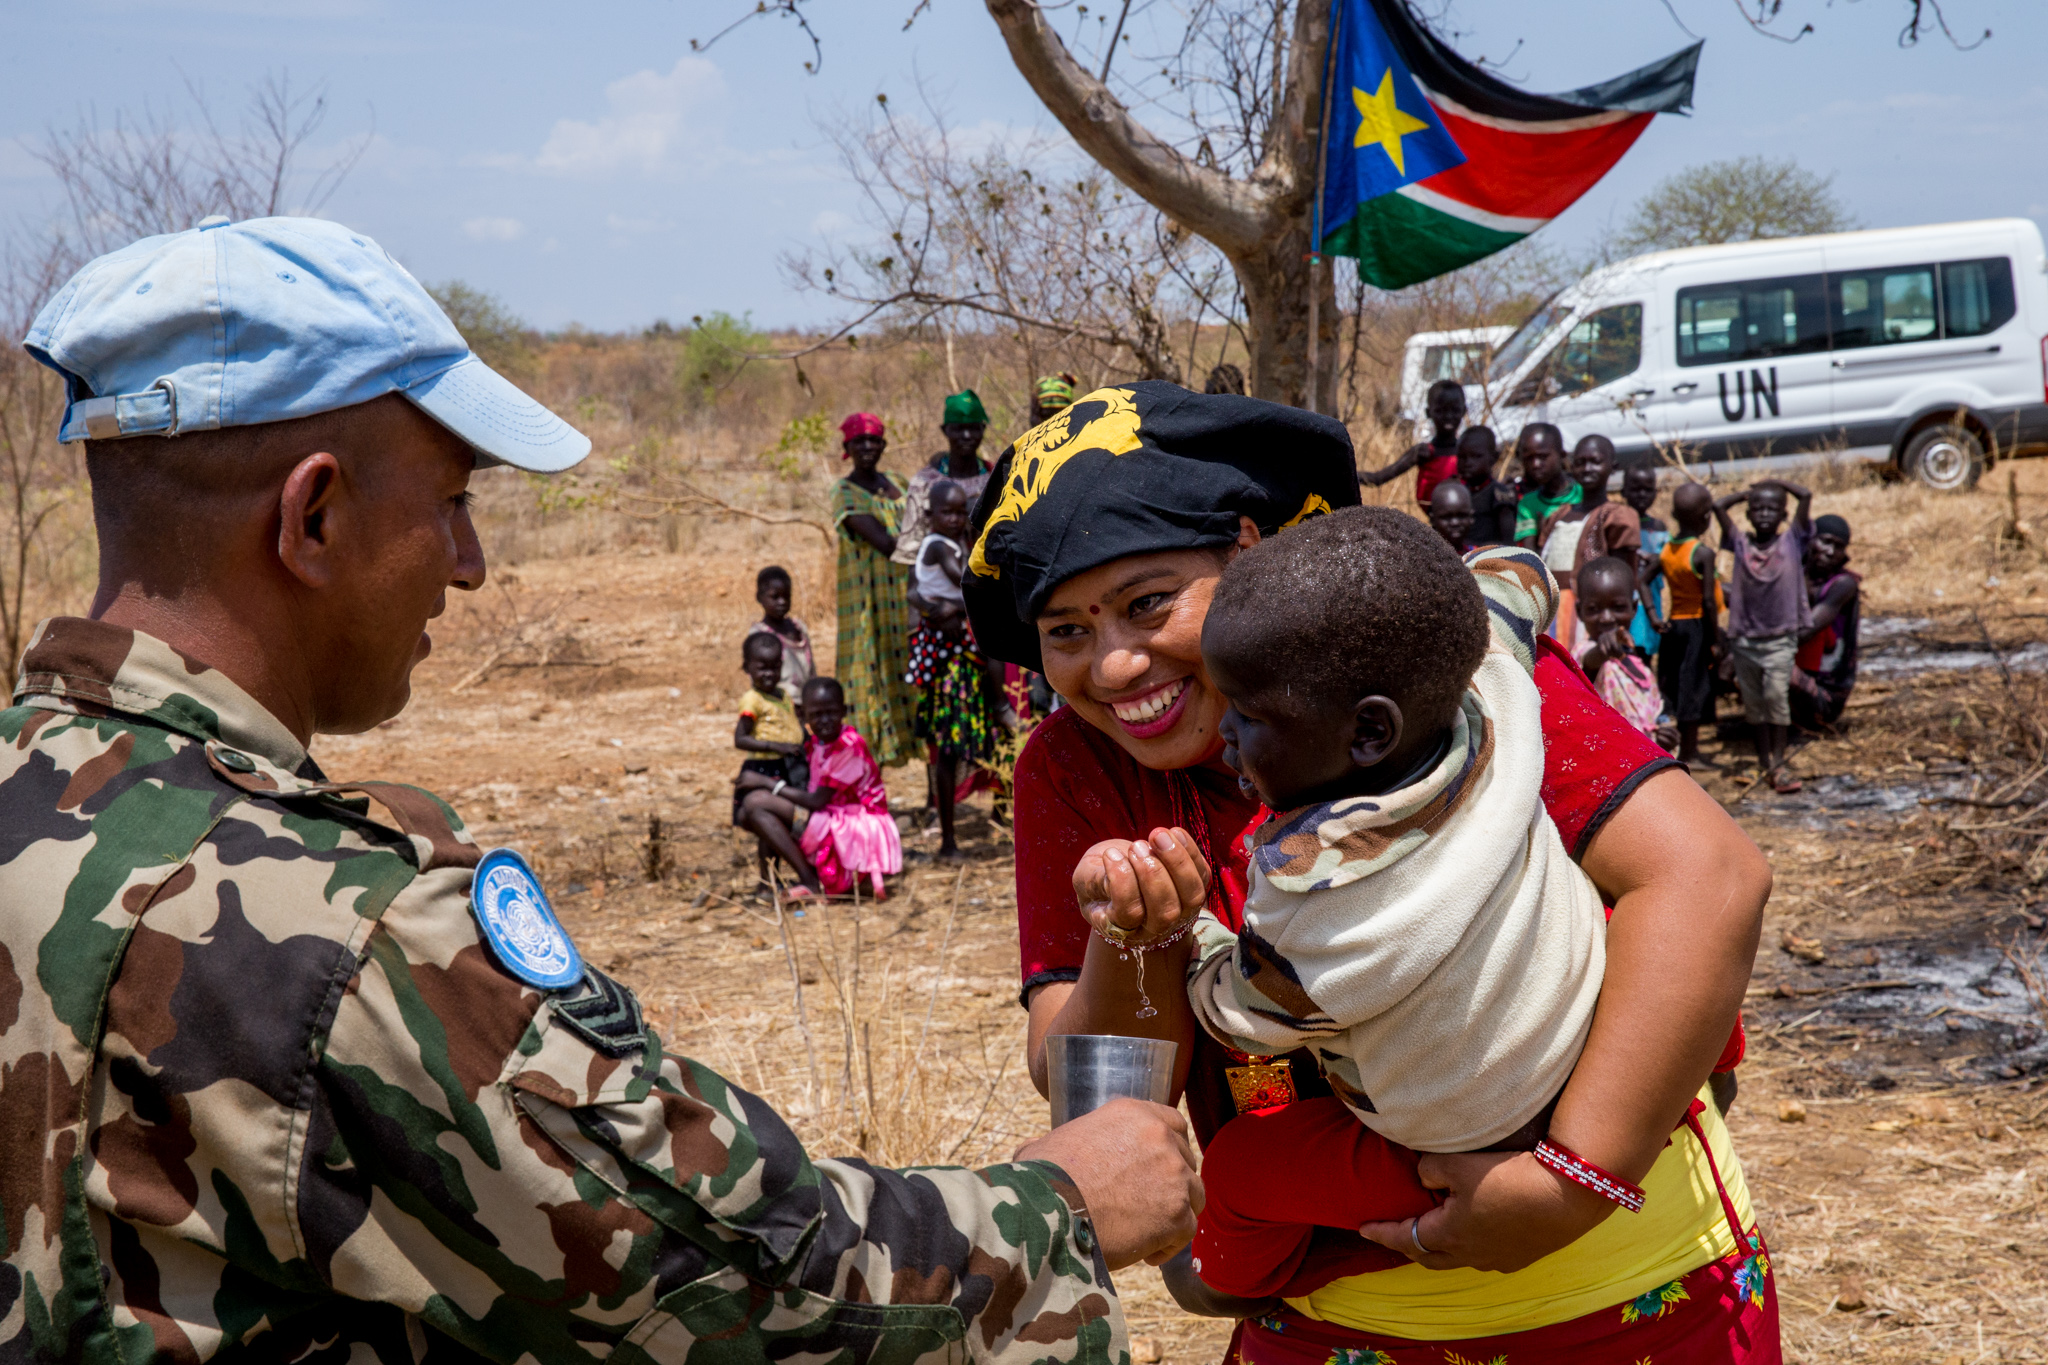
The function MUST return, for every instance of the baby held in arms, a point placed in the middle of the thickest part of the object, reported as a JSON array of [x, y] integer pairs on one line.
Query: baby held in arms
[[1413, 916]]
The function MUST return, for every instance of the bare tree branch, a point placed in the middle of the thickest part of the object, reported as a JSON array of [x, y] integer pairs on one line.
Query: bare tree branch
[[684, 496], [145, 174], [1917, 22], [781, 9], [1766, 12], [1078, 267], [1234, 215]]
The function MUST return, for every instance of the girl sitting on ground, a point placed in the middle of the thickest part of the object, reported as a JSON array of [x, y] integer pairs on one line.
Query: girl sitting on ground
[[850, 832], [771, 738], [843, 817]]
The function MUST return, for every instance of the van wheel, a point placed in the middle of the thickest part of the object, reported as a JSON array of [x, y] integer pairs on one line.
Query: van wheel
[[1947, 458]]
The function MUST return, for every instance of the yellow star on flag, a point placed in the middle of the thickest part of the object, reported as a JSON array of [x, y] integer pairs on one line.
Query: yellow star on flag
[[1383, 121]]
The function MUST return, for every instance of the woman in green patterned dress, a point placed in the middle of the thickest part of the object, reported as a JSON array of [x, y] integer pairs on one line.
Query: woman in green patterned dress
[[874, 626]]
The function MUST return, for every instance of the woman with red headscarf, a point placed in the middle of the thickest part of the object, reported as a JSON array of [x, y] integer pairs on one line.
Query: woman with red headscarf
[[874, 627]]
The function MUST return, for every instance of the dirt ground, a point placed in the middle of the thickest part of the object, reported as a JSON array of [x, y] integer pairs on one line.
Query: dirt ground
[[580, 709]]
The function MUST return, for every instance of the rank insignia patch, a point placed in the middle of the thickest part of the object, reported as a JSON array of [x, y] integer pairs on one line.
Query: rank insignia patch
[[604, 1013]]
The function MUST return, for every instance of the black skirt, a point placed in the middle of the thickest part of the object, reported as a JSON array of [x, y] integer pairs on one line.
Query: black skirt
[[792, 770]]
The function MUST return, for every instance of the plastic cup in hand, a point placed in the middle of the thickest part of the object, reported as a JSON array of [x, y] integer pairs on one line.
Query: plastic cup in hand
[[1087, 1070]]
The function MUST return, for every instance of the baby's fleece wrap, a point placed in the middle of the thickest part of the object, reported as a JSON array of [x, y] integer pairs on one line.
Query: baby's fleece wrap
[[1435, 945]]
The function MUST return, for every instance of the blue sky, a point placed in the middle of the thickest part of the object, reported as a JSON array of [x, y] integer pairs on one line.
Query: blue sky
[[580, 162]]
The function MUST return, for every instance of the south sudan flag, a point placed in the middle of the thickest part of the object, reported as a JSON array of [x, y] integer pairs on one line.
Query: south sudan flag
[[1433, 163]]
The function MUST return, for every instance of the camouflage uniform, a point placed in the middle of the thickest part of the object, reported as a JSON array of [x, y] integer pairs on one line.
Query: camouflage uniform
[[266, 1094]]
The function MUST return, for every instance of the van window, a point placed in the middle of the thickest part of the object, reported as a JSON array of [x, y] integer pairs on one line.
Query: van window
[[1751, 319], [1883, 307], [1976, 296], [1599, 349], [1461, 363], [1516, 348]]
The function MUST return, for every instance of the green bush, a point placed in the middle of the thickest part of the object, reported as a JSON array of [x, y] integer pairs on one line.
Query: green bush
[[802, 436], [716, 350], [493, 331]]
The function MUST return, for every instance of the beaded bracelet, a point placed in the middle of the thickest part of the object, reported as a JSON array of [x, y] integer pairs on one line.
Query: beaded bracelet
[[1121, 940], [1572, 1166], [1126, 947]]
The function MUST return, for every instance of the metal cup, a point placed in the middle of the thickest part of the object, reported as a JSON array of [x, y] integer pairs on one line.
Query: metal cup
[[1088, 1070]]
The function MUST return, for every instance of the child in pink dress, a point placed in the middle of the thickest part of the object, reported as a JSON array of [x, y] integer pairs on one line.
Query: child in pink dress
[[852, 832]]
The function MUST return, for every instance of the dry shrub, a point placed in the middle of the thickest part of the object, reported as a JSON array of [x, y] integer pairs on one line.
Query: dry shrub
[[870, 1043], [1988, 729]]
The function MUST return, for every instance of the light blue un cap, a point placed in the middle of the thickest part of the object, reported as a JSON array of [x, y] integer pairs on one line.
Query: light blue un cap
[[233, 324]]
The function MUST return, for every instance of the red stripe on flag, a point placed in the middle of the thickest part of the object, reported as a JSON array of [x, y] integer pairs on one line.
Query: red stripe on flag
[[1530, 174]]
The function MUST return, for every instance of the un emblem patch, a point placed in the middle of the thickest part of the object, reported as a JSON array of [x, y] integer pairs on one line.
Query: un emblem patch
[[519, 924]]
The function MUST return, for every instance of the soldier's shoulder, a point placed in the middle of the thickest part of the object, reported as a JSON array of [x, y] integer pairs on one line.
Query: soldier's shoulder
[[153, 800]]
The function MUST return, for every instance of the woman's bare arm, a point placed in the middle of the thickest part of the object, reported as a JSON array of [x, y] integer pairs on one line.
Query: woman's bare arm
[[870, 529], [1688, 889], [1137, 891]]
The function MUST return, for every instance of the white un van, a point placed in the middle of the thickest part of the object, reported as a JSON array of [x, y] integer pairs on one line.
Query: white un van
[[1919, 347]]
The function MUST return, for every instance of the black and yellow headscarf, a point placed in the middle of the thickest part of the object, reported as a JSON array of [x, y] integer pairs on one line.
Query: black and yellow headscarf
[[1132, 470]]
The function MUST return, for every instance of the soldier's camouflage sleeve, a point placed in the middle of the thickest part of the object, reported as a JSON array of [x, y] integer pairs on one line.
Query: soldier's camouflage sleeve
[[541, 1177], [266, 1094]]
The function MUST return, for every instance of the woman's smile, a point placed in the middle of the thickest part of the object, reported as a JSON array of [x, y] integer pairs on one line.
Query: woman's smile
[[1154, 712]]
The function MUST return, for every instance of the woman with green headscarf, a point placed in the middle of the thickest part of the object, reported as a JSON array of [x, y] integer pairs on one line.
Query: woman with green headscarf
[[963, 420]]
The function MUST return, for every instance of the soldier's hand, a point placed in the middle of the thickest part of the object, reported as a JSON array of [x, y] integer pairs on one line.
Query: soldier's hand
[[1136, 1172]]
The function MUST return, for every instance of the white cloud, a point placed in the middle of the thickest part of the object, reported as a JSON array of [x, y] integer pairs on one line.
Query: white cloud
[[652, 116], [620, 223], [830, 223], [493, 229]]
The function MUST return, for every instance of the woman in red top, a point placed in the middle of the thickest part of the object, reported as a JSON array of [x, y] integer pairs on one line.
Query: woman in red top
[[1097, 545]]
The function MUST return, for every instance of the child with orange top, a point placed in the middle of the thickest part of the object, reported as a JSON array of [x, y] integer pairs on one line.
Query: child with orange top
[[1685, 663]]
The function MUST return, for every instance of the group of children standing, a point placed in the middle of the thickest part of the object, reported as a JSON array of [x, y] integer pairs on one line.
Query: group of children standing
[[1790, 641]]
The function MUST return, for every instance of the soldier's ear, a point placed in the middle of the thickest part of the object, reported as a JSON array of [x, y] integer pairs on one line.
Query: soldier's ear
[[306, 515]]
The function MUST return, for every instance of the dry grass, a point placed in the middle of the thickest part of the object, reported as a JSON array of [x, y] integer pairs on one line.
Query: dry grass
[[1904, 1204], [589, 690]]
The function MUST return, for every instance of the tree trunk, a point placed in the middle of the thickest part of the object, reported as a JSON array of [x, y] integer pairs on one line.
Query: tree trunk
[[1276, 283], [1259, 223]]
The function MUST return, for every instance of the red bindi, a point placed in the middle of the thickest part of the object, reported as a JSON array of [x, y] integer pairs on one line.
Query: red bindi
[[1095, 611]]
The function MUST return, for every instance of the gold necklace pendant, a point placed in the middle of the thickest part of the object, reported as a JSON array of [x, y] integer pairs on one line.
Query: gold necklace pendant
[[1261, 1083]]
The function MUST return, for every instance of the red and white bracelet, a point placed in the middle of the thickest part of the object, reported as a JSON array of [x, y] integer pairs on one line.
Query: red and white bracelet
[[1572, 1166]]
